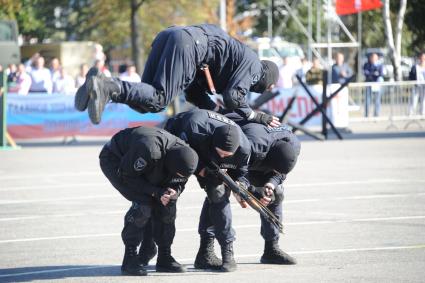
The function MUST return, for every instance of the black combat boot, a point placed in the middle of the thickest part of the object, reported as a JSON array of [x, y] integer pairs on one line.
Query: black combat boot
[[130, 264], [274, 255], [166, 263], [81, 99], [147, 252], [206, 258], [229, 264], [100, 90]]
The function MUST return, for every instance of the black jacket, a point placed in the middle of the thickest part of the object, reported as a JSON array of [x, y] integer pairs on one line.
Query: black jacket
[[261, 139], [234, 66], [196, 127], [141, 153]]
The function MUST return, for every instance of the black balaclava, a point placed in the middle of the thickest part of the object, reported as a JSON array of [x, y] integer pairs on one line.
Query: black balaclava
[[281, 157], [270, 76], [181, 159], [226, 138]]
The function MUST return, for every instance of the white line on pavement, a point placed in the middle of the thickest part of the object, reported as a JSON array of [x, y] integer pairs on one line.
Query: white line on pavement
[[319, 222], [371, 249], [56, 186], [56, 199], [378, 181], [360, 197], [313, 185], [47, 271], [43, 175]]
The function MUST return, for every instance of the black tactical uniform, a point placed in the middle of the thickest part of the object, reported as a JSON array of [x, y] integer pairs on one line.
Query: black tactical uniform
[[142, 163], [274, 153], [173, 66], [203, 131]]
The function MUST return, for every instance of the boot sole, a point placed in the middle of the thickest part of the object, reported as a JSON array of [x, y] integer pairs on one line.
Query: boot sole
[[206, 267], [94, 101], [81, 100]]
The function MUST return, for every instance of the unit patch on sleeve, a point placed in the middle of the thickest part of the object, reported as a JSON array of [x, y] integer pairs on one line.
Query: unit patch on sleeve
[[284, 128], [221, 118]]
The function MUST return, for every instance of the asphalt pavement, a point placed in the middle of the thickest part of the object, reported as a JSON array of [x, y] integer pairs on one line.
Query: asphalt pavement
[[354, 211]]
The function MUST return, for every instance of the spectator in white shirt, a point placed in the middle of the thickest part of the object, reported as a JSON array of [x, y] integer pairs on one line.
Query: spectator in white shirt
[[55, 67], [23, 81], [286, 73], [64, 83], [81, 77], [41, 77], [130, 75], [100, 65]]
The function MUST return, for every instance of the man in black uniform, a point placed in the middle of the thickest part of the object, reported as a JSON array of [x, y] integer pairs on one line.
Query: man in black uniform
[[216, 139], [274, 153], [149, 167], [173, 66]]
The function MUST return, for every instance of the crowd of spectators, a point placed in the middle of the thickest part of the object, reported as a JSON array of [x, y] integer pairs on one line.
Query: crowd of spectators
[[33, 77]]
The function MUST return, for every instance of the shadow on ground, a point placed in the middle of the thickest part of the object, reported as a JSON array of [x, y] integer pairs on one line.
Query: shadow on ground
[[49, 273]]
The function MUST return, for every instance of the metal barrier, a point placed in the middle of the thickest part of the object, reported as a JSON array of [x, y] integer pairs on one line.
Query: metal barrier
[[388, 101]]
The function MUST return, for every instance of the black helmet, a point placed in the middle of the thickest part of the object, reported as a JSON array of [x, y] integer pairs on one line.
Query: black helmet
[[226, 137], [269, 77]]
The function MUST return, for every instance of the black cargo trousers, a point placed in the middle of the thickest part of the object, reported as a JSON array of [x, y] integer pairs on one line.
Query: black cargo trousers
[[171, 67], [144, 211]]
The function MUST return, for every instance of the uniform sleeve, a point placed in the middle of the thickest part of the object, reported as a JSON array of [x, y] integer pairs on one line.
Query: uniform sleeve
[[240, 174], [276, 179], [138, 186]]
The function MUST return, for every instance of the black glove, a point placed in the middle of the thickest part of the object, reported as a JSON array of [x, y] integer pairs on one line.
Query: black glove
[[260, 192], [262, 118]]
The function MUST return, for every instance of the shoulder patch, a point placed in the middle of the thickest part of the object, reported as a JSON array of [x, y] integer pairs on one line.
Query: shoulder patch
[[221, 118], [284, 128], [139, 164]]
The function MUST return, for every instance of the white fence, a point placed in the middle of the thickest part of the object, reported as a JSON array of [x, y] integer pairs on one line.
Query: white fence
[[391, 101]]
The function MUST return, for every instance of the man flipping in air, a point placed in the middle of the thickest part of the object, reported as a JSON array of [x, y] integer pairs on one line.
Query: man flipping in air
[[174, 65]]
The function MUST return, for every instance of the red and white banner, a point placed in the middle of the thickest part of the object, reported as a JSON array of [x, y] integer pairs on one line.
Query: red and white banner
[[337, 109], [346, 7]]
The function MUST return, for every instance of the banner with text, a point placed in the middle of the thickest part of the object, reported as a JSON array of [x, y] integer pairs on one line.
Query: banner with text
[[337, 109], [44, 115]]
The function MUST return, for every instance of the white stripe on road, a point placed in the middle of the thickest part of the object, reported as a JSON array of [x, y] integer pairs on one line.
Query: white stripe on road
[[319, 222], [57, 199], [313, 185], [56, 186], [46, 176], [351, 250], [377, 196], [378, 181], [47, 271]]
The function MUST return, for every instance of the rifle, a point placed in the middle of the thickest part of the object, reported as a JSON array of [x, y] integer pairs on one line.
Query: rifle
[[247, 196]]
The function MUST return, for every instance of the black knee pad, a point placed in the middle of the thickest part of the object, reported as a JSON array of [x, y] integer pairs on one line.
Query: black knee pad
[[217, 194], [278, 194], [139, 214]]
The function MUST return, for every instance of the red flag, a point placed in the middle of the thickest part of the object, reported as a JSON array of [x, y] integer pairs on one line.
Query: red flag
[[346, 7]]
